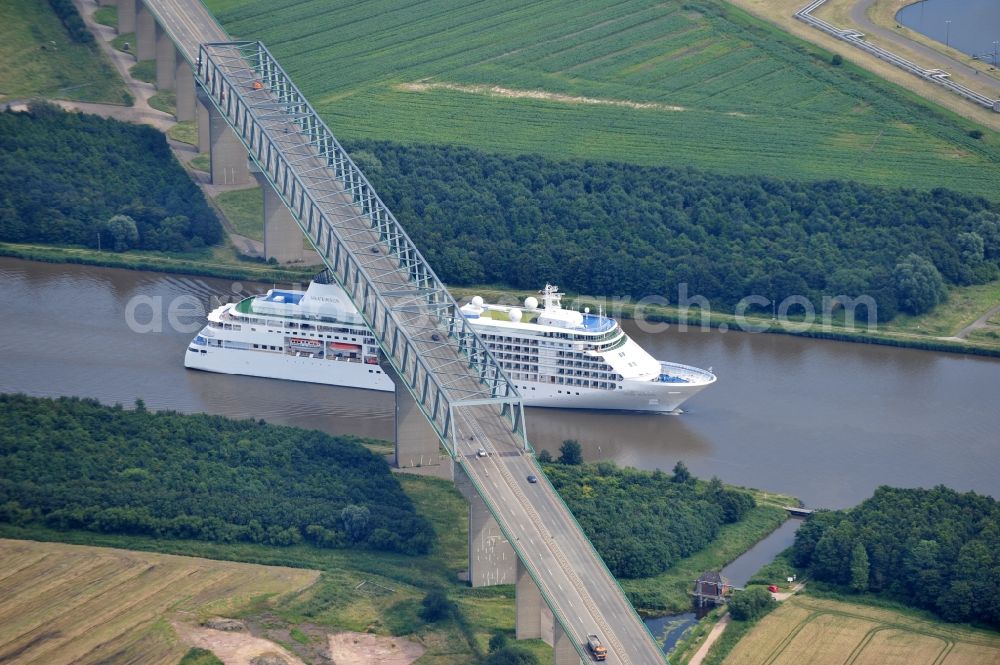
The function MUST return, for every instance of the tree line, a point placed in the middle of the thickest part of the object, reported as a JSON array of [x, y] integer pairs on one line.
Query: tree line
[[78, 179], [936, 549], [72, 21], [641, 522], [75, 464], [616, 229]]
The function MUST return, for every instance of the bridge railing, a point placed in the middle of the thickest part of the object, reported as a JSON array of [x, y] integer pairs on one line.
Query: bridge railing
[[442, 360]]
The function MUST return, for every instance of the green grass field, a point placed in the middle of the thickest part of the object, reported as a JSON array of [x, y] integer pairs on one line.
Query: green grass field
[[107, 16], [185, 132], [678, 83], [38, 59], [244, 208], [165, 101]]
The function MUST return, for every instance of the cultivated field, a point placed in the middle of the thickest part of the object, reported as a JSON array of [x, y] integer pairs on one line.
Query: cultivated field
[[71, 604], [680, 83], [37, 59], [810, 631]]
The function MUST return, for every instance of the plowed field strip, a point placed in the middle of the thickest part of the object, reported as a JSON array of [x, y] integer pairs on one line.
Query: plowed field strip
[[63, 587], [143, 605]]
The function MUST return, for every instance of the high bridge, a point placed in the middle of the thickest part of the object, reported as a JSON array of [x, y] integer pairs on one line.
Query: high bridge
[[450, 389]]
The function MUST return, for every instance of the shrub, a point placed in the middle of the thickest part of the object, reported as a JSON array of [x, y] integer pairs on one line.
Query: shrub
[[436, 606], [751, 604]]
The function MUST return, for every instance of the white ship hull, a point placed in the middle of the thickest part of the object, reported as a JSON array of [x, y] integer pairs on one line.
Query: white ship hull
[[288, 367], [556, 358], [633, 395]]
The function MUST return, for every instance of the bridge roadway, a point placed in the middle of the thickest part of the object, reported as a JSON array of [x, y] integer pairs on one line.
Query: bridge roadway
[[571, 577]]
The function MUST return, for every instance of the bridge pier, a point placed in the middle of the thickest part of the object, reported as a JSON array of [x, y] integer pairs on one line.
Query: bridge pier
[[563, 650], [166, 60], [145, 33], [532, 617], [417, 444], [282, 237], [228, 154], [184, 89], [492, 560], [201, 112], [126, 16]]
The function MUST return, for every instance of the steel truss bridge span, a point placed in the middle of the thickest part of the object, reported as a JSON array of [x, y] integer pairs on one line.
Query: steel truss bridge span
[[452, 376]]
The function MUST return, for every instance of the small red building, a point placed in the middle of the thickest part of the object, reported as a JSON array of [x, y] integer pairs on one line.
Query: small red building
[[711, 588]]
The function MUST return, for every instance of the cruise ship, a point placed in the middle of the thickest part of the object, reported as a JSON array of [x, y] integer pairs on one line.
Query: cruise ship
[[556, 357]]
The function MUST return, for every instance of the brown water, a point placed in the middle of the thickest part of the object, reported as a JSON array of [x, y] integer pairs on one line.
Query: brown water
[[824, 421]]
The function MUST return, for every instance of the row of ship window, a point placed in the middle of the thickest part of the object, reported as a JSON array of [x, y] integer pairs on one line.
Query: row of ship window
[[237, 327], [501, 343], [564, 381]]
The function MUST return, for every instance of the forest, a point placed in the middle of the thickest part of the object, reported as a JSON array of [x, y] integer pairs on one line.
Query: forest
[[641, 522], [935, 549], [613, 229], [75, 464], [78, 179]]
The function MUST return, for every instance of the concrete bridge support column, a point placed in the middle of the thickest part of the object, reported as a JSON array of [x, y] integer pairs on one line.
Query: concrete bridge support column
[[228, 155], [532, 617], [527, 606], [145, 33], [417, 444], [166, 60], [491, 558], [282, 238], [126, 17], [201, 111], [563, 650], [107, 3], [185, 90]]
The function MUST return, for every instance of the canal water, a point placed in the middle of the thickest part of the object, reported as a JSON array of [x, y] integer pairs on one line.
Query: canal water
[[827, 422], [671, 628], [971, 26]]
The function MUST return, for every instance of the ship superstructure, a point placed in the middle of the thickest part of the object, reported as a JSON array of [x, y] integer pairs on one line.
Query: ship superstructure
[[556, 357], [569, 359], [314, 335]]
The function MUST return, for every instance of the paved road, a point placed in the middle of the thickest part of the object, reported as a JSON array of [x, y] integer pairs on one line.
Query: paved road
[[188, 23], [570, 575], [980, 82]]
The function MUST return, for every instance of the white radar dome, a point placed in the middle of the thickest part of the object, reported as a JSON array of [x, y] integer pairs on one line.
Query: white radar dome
[[515, 315], [531, 302], [477, 301]]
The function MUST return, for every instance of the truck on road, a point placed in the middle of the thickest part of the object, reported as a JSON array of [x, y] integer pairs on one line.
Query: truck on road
[[596, 648]]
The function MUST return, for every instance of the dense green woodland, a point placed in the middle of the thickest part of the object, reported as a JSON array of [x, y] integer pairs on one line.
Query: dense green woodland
[[642, 523], [936, 549], [595, 227], [64, 176], [75, 464], [618, 229]]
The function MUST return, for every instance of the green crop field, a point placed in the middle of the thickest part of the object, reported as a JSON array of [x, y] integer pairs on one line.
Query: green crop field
[[678, 83], [38, 59]]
